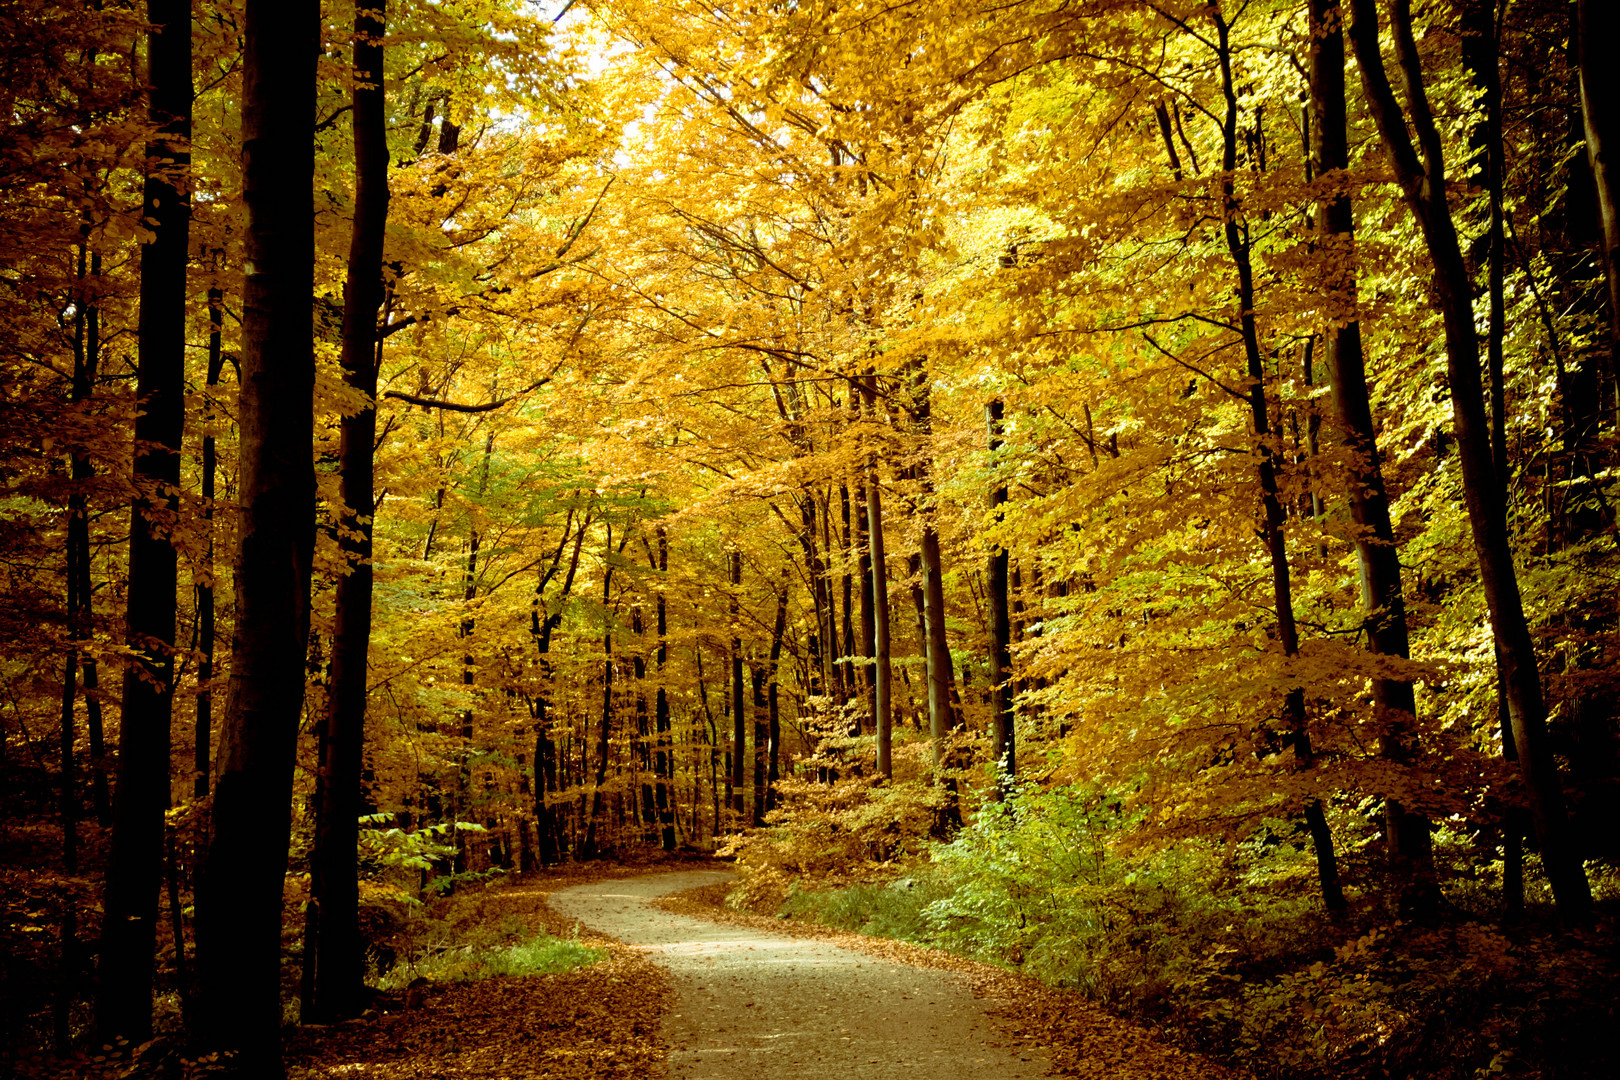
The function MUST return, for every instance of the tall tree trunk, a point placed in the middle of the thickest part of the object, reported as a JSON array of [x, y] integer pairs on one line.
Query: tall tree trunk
[[1236, 229], [850, 678], [203, 727], [135, 860], [773, 767], [663, 758], [643, 756], [883, 675], [1482, 55], [1003, 747], [739, 732], [334, 862], [1382, 600], [1422, 182], [1599, 24], [941, 719], [542, 624], [239, 892], [604, 734], [762, 738]]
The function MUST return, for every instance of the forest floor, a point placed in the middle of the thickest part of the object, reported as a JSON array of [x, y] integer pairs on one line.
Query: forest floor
[[692, 989]]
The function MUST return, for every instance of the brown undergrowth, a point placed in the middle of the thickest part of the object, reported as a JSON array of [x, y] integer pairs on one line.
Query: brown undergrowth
[[593, 1023], [1083, 1039]]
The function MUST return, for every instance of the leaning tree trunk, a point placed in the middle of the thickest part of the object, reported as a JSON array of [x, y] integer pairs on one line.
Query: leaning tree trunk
[[239, 892], [334, 864], [1382, 600], [1422, 182], [135, 860]]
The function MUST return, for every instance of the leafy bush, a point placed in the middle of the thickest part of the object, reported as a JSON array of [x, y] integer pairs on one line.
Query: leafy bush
[[1226, 947], [454, 962]]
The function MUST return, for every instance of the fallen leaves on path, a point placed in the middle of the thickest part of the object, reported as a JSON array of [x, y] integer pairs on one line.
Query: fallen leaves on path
[[594, 1023], [1083, 1039]]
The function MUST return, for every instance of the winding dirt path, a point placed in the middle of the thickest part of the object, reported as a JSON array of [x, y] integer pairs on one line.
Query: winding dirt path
[[760, 1006]]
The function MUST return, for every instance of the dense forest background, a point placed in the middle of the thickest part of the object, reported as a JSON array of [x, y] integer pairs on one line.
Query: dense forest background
[[1121, 488]]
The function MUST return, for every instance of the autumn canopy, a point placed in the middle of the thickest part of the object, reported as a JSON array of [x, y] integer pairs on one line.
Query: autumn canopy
[[441, 438]]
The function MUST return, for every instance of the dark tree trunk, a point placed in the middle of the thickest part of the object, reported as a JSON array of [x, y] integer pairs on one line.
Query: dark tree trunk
[[605, 733], [1377, 555], [1599, 23], [863, 532], [239, 892], [542, 624], [334, 862], [1422, 182], [739, 731], [848, 550], [663, 756], [773, 769], [203, 727], [1482, 55], [135, 859], [1003, 747], [883, 676], [941, 718], [762, 737]]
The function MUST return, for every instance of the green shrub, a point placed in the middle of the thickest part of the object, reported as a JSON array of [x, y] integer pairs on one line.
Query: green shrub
[[1225, 947], [537, 955]]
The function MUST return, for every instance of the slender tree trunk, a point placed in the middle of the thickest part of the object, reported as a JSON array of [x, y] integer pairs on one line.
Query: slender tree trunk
[[1377, 555], [604, 734], [941, 718], [1599, 23], [739, 731], [1482, 55], [1003, 747], [203, 728], [135, 860], [848, 550], [883, 675], [664, 758], [334, 862], [239, 892], [762, 738], [1422, 182], [541, 626], [644, 740], [81, 606], [773, 768]]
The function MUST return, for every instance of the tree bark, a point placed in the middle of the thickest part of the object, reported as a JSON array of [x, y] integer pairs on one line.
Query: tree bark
[[941, 718], [863, 546], [739, 731], [135, 859], [239, 892], [604, 734], [334, 862], [542, 624], [1378, 559], [1003, 745], [883, 675], [203, 726], [1599, 24], [663, 754], [1422, 183]]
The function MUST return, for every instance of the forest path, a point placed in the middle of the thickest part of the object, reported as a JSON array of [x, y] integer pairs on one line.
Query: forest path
[[766, 1007]]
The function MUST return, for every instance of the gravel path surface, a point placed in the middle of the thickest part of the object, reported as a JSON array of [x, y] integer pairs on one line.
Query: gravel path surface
[[761, 1006]]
